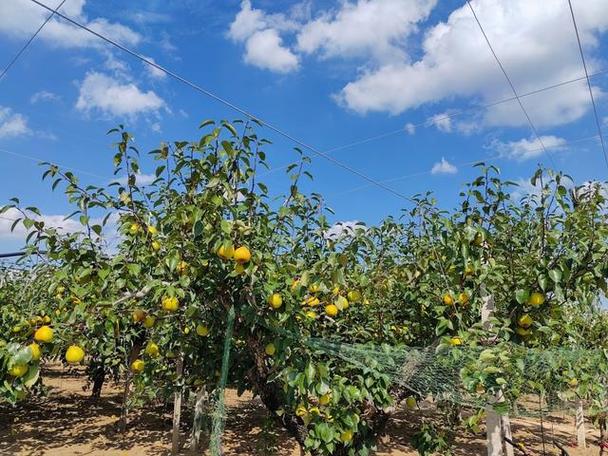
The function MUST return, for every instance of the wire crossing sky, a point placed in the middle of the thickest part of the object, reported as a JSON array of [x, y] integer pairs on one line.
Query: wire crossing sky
[[406, 107]]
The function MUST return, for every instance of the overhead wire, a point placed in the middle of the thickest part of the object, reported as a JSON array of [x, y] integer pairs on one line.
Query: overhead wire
[[28, 42], [580, 48], [504, 72], [229, 104]]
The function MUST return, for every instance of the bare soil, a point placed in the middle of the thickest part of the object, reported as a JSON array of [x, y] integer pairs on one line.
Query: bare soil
[[68, 423]]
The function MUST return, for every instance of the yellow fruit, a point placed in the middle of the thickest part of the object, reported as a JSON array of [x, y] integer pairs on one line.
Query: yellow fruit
[[314, 411], [454, 341], [523, 332], [346, 436], [155, 246], [301, 411], [463, 298], [227, 253], [137, 366], [311, 314], [331, 310], [354, 296], [182, 267], [187, 330], [74, 354], [149, 321], [411, 402], [270, 349], [295, 283], [46, 319], [18, 370], [448, 300], [536, 299], [573, 382], [44, 334], [134, 228], [311, 301], [242, 255], [525, 321], [325, 399], [36, 352], [202, 330], [239, 268], [16, 328], [152, 230], [469, 270], [314, 288], [152, 349], [341, 303], [138, 315], [275, 301], [170, 303], [336, 290]]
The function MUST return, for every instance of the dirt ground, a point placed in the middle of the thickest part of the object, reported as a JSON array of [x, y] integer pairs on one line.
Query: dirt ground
[[68, 423]]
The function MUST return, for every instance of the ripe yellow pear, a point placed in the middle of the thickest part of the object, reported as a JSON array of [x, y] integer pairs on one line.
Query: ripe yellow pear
[[155, 246], [525, 321], [314, 288], [325, 399], [346, 436], [149, 321], [410, 402], [44, 334], [448, 300], [270, 349], [455, 341], [202, 330], [134, 228], [331, 310], [242, 255], [137, 366], [36, 351], [341, 303], [536, 299], [152, 230], [275, 301], [170, 303], [138, 315], [227, 253], [311, 314], [182, 267], [18, 370], [523, 332], [463, 298], [354, 296], [152, 349], [74, 354]]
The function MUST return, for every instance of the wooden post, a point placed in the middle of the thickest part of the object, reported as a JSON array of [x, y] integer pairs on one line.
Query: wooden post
[[497, 427], [198, 421], [177, 407], [580, 424]]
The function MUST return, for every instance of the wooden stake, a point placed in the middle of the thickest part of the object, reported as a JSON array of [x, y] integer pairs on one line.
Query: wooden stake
[[177, 407], [580, 424], [497, 427]]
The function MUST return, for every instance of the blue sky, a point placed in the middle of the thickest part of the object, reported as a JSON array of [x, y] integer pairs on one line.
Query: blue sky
[[330, 73]]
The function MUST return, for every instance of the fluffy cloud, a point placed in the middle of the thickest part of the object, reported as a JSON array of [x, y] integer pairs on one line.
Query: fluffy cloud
[[109, 96], [44, 95], [368, 28], [401, 69], [21, 18], [410, 128], [443, 167], [263, 44], [442, 121], [525, 148], [140, 179], [12, 124], [456, 62], [341, 230], [154, 72]]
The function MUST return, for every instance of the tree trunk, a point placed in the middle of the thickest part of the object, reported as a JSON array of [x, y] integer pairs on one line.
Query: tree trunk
[[99, 377], [177, 407], [199, 425]]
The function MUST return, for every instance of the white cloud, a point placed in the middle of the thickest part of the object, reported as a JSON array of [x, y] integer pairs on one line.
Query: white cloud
[[264, 50], [155, 127], [442, 121], [263, 44], [374, 29], [12, 124], [21, 18], [109, 96], [456, 62], [525, 148], [50, 221], [153, 71], [410, 128], [340, 230], [443, 167], [44, 95], [140, 179]]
